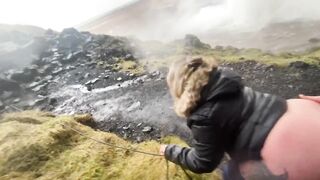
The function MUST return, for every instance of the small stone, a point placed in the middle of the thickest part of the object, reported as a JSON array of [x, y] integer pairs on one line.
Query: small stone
[[39, 101], [53, 101], [138, 125], [147, 129], [125, 136], [59, 70], [40, 87], [34, 84], [93, 81], [119, 79], [87, 75], [126, 127], [17, 100], [129, 57], [70, 67], [106, 77], [139, 139], [89, 88], [156, 73], [56, 63]]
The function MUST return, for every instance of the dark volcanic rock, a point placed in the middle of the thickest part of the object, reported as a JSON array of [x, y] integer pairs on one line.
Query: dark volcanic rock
[[70, 38], [299, 64], [81, 73], [282, 81], [9, 85], [192, 41], [27, 75]]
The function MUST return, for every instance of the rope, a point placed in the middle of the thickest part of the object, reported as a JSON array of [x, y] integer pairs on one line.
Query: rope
[[109, 144], [189, 177], [96, 140], [15, 108], [167, 162], [115, 146]]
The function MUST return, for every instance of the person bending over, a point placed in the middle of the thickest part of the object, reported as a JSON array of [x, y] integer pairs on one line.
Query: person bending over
[[266, 136]]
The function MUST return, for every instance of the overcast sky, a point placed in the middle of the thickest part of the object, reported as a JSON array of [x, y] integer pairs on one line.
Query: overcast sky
[[54, 14]]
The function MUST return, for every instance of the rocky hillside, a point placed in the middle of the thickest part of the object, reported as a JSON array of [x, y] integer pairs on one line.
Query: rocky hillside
[[150, 19], [121, 81]]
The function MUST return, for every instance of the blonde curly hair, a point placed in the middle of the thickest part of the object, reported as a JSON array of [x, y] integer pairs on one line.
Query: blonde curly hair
[[186, 79]]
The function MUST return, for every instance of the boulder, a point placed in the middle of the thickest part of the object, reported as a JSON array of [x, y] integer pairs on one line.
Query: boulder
[[299, 65], [70, 38], [192, 41]]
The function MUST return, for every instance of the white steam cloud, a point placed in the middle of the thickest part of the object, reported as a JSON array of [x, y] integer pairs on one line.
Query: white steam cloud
[[172, 19], [247, 15]]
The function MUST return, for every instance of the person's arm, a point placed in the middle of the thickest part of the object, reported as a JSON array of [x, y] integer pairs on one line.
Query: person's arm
[[312, 98], [206, 154]]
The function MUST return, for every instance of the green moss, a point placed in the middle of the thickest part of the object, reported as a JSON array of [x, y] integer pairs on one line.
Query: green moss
[[234, 55], [129, 66], [49, 149]]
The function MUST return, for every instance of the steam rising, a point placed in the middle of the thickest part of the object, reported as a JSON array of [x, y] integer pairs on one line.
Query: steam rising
[[245, 15], [172, 19]]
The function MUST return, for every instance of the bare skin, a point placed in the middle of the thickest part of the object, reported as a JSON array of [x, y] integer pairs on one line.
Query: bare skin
[[162, 149], [281, 131], [312, 98]]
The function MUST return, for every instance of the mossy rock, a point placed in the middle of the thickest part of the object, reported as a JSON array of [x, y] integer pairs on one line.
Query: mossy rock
[[129, 66], [38, 145]]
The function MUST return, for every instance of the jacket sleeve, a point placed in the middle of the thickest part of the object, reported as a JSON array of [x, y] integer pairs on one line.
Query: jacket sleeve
[[206, 154]]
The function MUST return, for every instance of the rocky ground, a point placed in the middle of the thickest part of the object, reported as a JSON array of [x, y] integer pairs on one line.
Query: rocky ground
[[98, 74]]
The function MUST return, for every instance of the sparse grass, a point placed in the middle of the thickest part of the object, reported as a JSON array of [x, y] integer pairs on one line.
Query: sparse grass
[[41, 148], [233, 55], [129, 66]]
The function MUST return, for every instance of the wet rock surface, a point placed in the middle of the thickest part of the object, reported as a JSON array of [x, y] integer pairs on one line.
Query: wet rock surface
[[82, 73]]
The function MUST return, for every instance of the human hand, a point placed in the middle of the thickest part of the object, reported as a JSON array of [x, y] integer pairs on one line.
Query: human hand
[[162, 149], [312, 98]]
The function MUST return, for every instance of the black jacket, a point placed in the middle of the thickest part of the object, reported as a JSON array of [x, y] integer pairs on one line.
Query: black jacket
[[231, 118]]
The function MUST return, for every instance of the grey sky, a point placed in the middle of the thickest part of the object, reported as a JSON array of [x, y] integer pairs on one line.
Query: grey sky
[[55, 14]]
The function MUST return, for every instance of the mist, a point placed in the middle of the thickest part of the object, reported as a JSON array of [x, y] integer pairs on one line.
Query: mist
[[167, 20], [237, 15], [249, 15]]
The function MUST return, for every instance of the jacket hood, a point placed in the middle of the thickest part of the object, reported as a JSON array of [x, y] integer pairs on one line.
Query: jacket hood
[[222, 82]]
